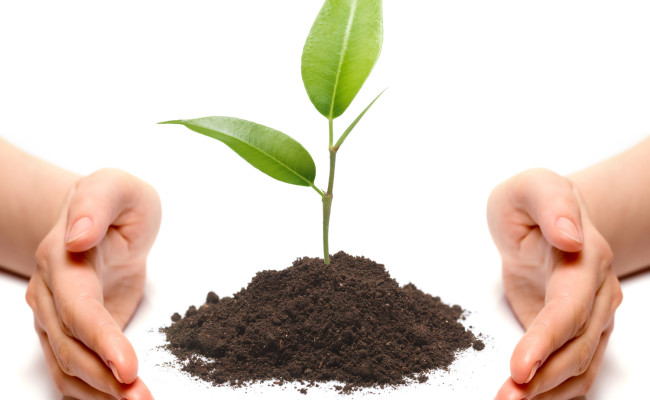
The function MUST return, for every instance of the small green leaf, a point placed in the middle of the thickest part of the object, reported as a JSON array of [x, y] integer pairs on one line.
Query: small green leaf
[[272, 152], [342, 47], [355, 122]]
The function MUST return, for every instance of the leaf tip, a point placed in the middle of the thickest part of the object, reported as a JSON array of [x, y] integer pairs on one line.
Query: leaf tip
[[176, 121]]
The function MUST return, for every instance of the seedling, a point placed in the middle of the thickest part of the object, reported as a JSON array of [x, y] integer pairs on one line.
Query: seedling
[[342, 48]]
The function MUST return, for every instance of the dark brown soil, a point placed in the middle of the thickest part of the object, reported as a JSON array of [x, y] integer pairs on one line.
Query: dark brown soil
[[348, 322]]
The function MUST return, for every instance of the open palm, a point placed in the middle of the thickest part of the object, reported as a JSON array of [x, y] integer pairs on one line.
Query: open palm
[[90, 277], [559, 282]]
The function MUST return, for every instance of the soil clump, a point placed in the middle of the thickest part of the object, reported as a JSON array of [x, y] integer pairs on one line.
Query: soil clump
[[348, 322]]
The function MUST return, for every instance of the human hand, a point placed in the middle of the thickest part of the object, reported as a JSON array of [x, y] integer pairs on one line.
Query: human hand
[[559, 282], [88, 282]]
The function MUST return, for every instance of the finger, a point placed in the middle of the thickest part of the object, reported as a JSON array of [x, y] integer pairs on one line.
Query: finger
[[580, 385], [570, 389], [68, 385], [100, 201], [80, 362], [545, 199], [77, 292], [73, 358], [78, 389], [510, 391], [577, 356], [570, 293], [559, 321], [82, 313]]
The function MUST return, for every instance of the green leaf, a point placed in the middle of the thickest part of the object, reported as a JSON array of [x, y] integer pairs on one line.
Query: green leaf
[[342, 47], [272, 152], [355, 122]]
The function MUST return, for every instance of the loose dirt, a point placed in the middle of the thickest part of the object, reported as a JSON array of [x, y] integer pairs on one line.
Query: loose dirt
[[348, 322]]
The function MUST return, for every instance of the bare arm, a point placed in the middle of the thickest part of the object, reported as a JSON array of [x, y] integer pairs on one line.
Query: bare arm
[[563, 242], [617, 193], [31, 194], [109, 220]]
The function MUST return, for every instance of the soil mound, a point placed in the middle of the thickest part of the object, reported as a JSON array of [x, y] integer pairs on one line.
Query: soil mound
[[348, 322]]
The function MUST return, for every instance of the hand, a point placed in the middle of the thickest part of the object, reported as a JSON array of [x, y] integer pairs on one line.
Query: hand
[[559, 282], [88, 282]]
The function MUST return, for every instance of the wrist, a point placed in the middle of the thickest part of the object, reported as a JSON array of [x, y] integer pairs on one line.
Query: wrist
[[33, 192], [617, 195]]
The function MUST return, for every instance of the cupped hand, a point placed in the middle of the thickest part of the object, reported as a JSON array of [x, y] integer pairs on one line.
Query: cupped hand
[[88, 282], [559, 282]]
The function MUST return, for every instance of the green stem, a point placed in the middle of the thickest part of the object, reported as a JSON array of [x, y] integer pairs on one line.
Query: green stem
[[331, 126], [330, 183], [327, 208], [329, 196], [317, 190]]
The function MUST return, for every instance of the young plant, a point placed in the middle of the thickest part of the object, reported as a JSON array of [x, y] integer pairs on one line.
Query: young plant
[[342, 48]]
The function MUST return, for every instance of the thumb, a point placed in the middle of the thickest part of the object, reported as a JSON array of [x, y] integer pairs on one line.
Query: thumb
[[95, 204], [551, 202]]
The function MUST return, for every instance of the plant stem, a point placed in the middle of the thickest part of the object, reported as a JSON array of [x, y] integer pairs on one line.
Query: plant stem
[[329, 195], [317, 190], [331, 126], [327, 207]]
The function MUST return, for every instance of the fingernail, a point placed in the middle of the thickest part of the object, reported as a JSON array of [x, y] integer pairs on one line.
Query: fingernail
[[79, 229], [533, 371], [568, 229], [112, 367]]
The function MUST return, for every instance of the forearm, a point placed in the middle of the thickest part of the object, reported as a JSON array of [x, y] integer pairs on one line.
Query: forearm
[[617, 193], [31, 193]]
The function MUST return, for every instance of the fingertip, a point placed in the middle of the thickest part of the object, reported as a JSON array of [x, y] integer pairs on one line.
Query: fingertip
[[524, 362], [509, 391], [553, 204], [123, 362], [519, 372], [138, 391], [562, 233], [82, 235], [524, 372], [77, 230], [571, 233], [123, 372], [533, 371]]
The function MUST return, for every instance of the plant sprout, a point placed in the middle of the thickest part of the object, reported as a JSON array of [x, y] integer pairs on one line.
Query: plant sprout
[[342, 48]]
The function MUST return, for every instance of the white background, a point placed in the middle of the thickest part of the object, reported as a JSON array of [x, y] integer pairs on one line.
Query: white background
[[478, 91]]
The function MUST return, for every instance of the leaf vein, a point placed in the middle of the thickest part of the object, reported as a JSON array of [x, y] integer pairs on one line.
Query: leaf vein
[[344, 46]]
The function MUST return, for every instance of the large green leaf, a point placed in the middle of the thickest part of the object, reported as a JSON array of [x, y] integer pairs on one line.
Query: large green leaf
[[341, 50], [272, 152]]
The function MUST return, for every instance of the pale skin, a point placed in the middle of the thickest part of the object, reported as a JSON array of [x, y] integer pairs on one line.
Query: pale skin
[[564, 243], [83, 244]]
